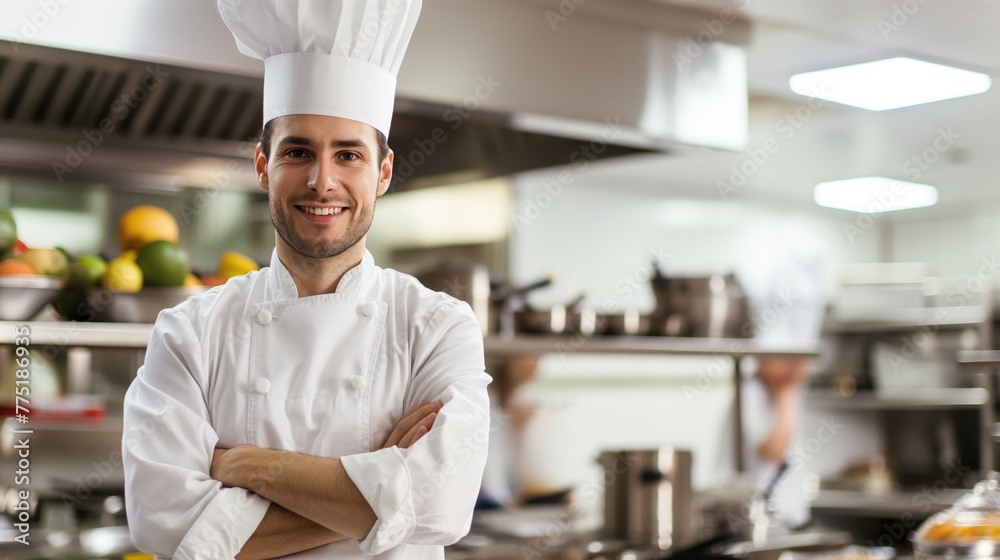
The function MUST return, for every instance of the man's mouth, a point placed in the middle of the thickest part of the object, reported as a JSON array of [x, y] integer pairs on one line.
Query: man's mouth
[[321, 210]]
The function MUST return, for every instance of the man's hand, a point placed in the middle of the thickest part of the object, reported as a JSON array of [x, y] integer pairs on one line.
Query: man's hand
[[414, 425]]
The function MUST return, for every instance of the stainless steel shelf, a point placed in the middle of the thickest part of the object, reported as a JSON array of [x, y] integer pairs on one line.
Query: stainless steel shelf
[[548, 344], [134, 335], [70, 334], [916, 503], [907, 319], [910, 399], [979, 357]]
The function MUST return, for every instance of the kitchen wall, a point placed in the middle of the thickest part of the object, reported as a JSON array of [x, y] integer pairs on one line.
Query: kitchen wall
[[961, 243]]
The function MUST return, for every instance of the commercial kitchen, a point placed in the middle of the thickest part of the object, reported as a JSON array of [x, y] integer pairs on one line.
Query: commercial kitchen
[[734, 262]]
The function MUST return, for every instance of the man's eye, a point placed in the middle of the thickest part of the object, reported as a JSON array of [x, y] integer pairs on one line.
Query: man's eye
[[296, 153], [350, 156]]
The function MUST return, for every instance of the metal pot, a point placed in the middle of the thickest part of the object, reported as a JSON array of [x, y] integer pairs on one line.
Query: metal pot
[[702, 306], [647, 497], [629, 323], [559, 319]]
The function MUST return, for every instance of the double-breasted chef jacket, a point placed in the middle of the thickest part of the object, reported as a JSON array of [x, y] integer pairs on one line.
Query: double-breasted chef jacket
[[329, 375]]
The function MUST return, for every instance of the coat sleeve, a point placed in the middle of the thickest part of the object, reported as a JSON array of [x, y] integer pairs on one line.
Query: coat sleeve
[[175, 509], [425, 494]]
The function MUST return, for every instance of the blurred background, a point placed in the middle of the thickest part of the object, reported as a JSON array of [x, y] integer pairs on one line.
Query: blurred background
[[681, 239]]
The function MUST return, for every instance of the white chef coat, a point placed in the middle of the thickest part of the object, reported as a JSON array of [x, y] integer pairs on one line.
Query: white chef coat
[[330, 375]]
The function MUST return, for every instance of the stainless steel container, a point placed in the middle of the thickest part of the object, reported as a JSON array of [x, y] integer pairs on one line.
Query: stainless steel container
[[647, 500], [701, 306]]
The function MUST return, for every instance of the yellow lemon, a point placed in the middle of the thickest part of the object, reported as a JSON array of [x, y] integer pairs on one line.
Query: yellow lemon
[[129, 255], [122, 275], [144, 224], [232, 264], [192, 281]]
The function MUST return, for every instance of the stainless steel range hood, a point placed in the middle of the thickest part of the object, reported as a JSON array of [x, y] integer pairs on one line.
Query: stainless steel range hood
[[489, 88]]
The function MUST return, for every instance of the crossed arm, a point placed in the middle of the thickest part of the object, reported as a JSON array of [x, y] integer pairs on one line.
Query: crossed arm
[[313, 500]]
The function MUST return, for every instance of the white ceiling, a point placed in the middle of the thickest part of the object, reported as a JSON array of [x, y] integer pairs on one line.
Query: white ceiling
[[835, 141]]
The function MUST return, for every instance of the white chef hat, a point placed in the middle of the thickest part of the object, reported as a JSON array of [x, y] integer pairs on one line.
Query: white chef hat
[[326, 57]]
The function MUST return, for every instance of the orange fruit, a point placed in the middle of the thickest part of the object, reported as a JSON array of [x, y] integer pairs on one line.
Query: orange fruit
[[144, 224], [15, 266]]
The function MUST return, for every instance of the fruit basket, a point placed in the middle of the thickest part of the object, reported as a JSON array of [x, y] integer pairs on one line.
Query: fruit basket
[[968, 529], [24, 296]]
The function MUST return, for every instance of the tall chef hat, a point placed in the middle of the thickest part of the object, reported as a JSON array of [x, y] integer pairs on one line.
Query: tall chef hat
[[326, 57]]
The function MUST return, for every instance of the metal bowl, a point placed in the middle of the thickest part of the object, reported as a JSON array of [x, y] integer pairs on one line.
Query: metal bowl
[[24, 296], [138, 307]]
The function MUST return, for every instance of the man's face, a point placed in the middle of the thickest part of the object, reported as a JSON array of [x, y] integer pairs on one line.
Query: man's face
[[322, 177]]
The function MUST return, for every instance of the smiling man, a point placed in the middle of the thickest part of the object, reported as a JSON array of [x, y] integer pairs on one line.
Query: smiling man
[[321, 407]]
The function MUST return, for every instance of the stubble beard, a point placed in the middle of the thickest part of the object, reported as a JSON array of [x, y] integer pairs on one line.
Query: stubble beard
[[319, 248]]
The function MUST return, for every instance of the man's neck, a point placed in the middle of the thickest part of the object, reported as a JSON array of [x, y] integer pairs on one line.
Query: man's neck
[[318, 276]]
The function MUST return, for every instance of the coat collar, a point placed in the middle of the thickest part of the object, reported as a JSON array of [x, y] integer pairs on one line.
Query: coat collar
[[281, 286]]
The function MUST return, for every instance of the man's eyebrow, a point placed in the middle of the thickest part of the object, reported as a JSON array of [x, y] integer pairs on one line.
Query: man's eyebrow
[[303, 141]]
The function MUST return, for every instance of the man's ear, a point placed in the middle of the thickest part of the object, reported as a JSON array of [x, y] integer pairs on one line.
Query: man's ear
[[260, 166], [385, 174]]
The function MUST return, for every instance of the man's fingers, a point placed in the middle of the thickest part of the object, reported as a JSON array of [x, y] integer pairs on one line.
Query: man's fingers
[[416, 408], [412, 420], [418, 430]]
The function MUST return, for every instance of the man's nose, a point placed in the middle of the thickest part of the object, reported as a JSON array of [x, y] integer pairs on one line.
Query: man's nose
[[323, 176]]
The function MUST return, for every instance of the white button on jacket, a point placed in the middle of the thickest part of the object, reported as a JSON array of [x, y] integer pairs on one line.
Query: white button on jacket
[[324, 380]]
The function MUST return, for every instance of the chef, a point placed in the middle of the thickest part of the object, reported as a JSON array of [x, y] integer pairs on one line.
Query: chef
[[321, 407]]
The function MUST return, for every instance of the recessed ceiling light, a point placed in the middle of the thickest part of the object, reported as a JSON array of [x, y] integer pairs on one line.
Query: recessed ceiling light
[[890, 83], [873, 195]]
